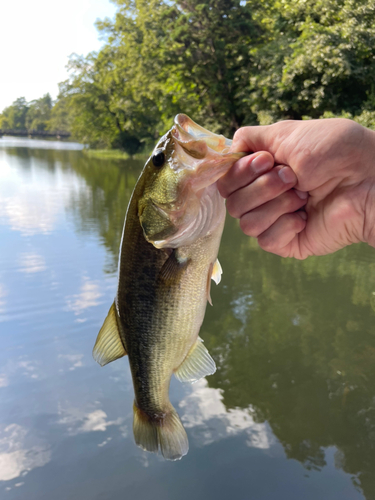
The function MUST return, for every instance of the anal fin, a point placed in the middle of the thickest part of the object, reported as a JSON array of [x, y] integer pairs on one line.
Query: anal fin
[[108, 346], [197, 364]]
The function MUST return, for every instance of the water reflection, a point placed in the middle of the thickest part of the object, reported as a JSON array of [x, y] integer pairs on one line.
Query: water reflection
[[204, 412], [20, 453], [22, 142], [88, 296], [294, 343]]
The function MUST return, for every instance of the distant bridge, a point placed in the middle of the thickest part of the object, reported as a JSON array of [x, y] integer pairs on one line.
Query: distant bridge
[[35, 133]]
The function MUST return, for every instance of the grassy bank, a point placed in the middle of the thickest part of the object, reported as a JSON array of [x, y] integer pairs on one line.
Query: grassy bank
[[114, 154]]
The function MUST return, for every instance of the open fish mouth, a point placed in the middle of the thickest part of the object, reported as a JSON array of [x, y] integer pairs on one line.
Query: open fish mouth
[[186, 130], [204, 154]]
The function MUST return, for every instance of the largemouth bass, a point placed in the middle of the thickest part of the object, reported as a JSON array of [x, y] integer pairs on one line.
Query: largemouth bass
[[168, 256]]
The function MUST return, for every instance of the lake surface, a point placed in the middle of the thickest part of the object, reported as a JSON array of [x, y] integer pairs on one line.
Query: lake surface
[[290, 412]]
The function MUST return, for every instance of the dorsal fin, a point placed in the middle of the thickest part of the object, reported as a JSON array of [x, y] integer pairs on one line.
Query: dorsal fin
[[108, 346], [197, 364]]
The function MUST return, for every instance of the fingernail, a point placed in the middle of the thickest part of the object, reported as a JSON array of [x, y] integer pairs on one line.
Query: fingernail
[[302, 194], [287, 175], [261, 163], [302, 214]]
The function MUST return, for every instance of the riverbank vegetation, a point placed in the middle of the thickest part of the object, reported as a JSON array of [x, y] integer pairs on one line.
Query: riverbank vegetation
[[226, 63]]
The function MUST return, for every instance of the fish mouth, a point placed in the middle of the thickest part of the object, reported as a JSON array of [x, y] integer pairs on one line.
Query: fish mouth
[[186, 130], [203, 154]]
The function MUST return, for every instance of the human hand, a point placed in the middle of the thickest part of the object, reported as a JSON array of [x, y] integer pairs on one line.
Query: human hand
[[325, 166]]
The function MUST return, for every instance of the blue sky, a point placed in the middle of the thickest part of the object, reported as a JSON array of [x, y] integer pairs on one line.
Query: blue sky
[[36, 38]]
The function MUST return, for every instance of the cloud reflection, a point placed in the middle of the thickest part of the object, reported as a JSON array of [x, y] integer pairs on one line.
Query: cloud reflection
[[88, 297], [74, 359], [30, 213], [3, 380], [94, 421], [16, 457], [204, 412], [3, 294], [31, 263]]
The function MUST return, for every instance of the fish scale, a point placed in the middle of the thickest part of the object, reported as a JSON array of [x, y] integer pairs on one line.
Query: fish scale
[[168, 255]]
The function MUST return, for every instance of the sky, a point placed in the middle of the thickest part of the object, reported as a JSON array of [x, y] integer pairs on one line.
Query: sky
[[36, 39]]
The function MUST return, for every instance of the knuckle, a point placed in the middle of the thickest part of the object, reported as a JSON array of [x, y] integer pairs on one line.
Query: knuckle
[[249, 226], [290, 201], [223, 190], [233, 207], [240, 133], [295, 223], [267, 243], [270, 183]]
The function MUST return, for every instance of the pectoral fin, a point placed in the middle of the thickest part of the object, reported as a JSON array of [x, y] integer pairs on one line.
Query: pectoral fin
[[214, 273], [197, 364], [108, 346], [217, 271], [173, 266]]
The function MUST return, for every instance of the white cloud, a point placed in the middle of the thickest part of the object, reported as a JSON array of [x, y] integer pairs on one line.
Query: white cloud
[[29, 367], [106, 441], [34, 203], [15, 457], [3, 294], [3, 380], [97, 421], [74, 359], [88, 297], [94, 421], [30, 213], [204, 412], [31, 263]]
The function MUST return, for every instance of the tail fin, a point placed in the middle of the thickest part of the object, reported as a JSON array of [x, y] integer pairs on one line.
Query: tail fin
[[166, 433]]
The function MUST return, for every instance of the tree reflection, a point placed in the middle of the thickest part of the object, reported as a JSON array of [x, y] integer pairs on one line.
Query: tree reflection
[[298, 345], [294, 341]]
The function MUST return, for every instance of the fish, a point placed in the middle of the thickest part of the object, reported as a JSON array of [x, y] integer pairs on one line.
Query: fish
[[168, 256]]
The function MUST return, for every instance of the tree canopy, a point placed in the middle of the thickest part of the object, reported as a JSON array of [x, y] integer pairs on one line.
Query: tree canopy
[[226, 63]]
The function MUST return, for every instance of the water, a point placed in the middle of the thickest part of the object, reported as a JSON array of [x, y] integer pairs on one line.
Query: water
[[290, 413]]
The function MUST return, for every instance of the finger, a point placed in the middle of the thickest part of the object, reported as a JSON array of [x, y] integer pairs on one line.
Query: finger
[[271, 138], [261, 137], [257, 221], [244, 171], [255, 138], [263, 189], [277, 237]]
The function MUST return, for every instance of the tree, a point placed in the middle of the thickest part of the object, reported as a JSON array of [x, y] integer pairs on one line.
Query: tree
[[14, 117], [318, 56], [39, 113], [61, 113]]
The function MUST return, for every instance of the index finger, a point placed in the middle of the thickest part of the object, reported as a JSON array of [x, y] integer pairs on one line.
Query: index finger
[[245, 171], [253, 139]]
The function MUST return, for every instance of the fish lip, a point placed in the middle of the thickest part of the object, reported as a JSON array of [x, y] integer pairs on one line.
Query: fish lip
[[188, 130]]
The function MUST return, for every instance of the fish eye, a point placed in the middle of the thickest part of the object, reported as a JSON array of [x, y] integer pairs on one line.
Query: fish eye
[[158, 158]]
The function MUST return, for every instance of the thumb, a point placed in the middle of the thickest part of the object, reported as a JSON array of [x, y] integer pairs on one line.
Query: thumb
[[253, 139]]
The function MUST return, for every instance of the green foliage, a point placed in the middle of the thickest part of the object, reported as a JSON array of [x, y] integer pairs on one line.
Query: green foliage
[[39, 113], [318, 56], [226, 63], [14, 116], [61, 116]]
